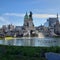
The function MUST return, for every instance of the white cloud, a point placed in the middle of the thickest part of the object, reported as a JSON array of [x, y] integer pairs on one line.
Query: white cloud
[[2, 19], [43, 15], [34, 15], [14, 14]]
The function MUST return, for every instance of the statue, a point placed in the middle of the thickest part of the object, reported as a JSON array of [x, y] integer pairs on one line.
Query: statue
[[30, 14]]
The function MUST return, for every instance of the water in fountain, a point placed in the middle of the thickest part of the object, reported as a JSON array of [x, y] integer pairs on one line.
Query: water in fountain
[[41, 35]]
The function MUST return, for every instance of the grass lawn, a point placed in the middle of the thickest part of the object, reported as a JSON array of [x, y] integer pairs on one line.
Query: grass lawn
[[25, 53], [8, 38]]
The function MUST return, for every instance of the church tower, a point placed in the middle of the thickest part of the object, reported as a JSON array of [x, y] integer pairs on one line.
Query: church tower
[[57, 22], [28, 23], [31, 24], [25, 19]]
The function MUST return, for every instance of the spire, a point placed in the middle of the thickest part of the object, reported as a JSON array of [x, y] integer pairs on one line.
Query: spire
[[26, 16], [57, 15], [57, 22], [26, 13]]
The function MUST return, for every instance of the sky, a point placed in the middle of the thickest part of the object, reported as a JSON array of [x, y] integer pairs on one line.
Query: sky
[[13, 11]]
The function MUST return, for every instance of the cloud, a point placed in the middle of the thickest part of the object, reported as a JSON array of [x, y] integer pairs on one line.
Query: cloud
[[43, 15], [2, 19], [14, 14], [34, 15]]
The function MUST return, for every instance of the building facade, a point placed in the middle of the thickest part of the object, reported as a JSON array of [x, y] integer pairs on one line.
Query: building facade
[[28, 24], [57, 28], [52, 21]]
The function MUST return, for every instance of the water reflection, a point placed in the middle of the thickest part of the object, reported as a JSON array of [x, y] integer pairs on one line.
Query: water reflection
[[32, 42]]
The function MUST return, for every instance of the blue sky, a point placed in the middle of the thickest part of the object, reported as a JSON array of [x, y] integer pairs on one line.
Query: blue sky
[[12, 11]]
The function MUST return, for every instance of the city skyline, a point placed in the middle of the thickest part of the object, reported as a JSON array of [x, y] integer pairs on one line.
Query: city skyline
[[13, 11]]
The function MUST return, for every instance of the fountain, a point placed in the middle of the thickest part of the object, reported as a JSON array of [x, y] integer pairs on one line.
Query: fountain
[[40, 35]]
